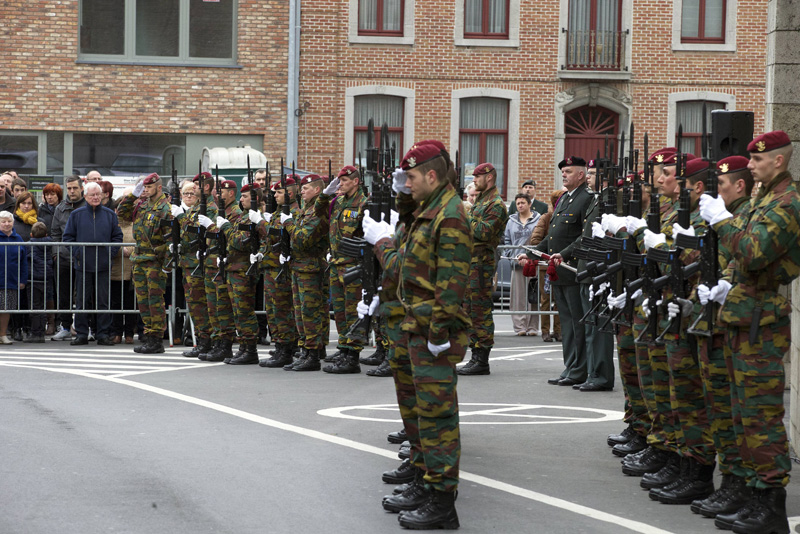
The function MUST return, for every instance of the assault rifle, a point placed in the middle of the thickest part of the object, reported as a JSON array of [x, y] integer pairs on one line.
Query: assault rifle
[[202, 246], [270, 204], [253, 238], [173, 224], [284, 244], [222, 242]]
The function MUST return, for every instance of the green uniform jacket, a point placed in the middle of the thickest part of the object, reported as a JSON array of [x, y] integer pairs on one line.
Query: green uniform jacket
[[488, 218], [238, 245], [386, 252], [149, 235], [345, 219], [309, 234]]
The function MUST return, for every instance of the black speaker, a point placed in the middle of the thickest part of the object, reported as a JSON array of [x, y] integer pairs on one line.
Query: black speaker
[[731, 132]]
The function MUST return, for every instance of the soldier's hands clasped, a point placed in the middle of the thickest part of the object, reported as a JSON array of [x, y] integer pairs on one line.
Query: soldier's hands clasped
[[365, 309], [717, 294], [257, 257]]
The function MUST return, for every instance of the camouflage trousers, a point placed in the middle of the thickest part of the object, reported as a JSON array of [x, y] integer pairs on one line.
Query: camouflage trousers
[[280, 308], [757, 399], [195, 291], [426, 394], [380, 329], [717, 374], [479, 305], [344, 299], [310, 309], [636, 413], [692, 430], [653, 369], [150, 282], [242, 291], [220, 314]]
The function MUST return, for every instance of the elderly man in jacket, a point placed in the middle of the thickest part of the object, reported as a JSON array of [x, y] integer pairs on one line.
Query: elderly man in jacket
[[93, 223]]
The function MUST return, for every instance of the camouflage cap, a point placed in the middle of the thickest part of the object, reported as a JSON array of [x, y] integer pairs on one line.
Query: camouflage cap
[[483, 168], [732, 164], [769, 141], [152, 179]]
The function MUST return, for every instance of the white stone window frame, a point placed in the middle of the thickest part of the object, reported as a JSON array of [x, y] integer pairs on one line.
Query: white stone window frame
[[408, 28], [409, 105], [675, 98], [730, 31], [513, 29], [513, 97]]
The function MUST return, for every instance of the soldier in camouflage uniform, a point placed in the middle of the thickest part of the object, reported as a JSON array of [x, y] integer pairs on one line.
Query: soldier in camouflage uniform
[[765, 255], [432, 276], [735, 184], [239, 234], [488, 218], [344, 213], [149, 280], [309, 237], [278, 280]]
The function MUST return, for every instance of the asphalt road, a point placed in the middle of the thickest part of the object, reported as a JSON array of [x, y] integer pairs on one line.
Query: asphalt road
[[101, 440]]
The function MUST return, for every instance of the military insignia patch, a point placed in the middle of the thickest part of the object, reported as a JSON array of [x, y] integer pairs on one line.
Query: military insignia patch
[[761, 146], [724, 168], [412, 162], [660, 158]]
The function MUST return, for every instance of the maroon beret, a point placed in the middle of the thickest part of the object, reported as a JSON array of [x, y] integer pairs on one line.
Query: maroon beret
[[347, 170], [696, 166], [434, 142], [289, 181], [732, 164], [483, 168], [246, 187], [308, 178], [227, 184], [672, 159], [572, 161], [151, 179], [769, 141], [419, 154], [659, 156], [202, 176]]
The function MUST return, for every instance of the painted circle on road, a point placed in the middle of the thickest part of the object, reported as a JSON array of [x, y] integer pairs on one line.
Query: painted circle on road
[[475, 413]]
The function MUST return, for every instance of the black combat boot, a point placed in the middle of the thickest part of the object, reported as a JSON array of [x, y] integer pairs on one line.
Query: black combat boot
[[623, 437], [376, 357], [638, 443], [412, 498], [403, 474], [248, 357], [302, 357], [285, 356], [438, 513], [405, 451], [213, 345], [699, 484], [145, 342], [397, 437], [651, 461], [311, 362], [333, 358], [768, 516], [203, 345], [734, 498], [726, 521], [480, 365], [383, 370], [222, 352], [665, 475], [683, 474], [273, 354], [346, 364], [155, 345]]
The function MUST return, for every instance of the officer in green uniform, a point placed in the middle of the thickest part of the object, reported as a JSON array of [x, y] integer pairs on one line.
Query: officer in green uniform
[[488, 218], [149, 280], [344, 213], [765, 255]]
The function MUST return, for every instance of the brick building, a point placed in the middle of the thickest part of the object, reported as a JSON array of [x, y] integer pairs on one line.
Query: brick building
[[523, 83]]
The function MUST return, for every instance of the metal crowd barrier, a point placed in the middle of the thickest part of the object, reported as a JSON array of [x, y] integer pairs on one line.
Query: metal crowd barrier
[[502, 287]]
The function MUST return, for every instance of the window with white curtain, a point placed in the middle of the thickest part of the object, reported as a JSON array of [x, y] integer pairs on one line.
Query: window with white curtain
[[703, 21], [486, 19], [594, 37], [381, 109], [380, 17], [689, 115], [483, 136]]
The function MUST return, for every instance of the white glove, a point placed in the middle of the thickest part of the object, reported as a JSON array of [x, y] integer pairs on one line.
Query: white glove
[[220, 260], [394, 218], [601, 288], [222, 221], [204, 221], [597, 229], [176, 210], [332, 187], [254, 216], [681, 307], [399, 182], [615, 224], [171, 248], [138, 188], [652, 239], [677, 230], [368, 309], [328, 257], [618, 301], [267, 217], [285, 217], [636, 294], [282, 259], [604, 221], [197, 255], [374, 231], [718, 293], [436, 349], [712, 210], [255, 258], [646, 310], [634, 223]]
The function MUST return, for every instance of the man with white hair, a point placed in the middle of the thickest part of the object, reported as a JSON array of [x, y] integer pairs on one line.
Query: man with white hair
[[92, 223], [93, 176]]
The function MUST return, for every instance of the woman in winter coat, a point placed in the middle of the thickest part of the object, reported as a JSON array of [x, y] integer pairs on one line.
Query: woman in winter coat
[[13, 271], [518, 232]]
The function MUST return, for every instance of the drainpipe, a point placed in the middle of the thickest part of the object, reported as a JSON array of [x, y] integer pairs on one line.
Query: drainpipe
[[293, 86]]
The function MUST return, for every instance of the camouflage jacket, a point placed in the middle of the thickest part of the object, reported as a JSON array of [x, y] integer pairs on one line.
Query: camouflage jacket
[[386, 252], [488, 218], [150, 237], [346, 215], [238, 258], [766, 253], [669, 215], [434, 267], [189, 229], [309, 235]]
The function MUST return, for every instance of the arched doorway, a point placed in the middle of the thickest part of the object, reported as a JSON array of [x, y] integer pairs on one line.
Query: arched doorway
[[590, 130]]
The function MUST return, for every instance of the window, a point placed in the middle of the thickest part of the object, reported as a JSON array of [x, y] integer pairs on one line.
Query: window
[[703, 21], [380, 17], [483, 136], [486, 19], [689, 114], [381, 109], [594, 39], [158, 31]]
